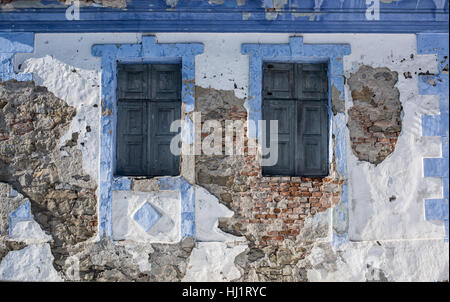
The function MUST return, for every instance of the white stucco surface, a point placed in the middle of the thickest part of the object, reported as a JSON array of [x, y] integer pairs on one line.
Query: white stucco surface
[[29, 232], [32, 263], [213, 262], [126, 203], [222, 66], [207, 212], [405, 260]]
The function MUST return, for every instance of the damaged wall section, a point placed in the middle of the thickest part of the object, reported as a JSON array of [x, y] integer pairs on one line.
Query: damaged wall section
[[62, 197], [270, 212], [374, 120]]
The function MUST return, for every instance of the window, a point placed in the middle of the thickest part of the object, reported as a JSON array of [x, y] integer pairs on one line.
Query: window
[[297, 96], [149, 100]]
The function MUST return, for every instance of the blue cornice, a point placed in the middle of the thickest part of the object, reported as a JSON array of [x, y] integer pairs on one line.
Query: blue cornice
[[313, 16]]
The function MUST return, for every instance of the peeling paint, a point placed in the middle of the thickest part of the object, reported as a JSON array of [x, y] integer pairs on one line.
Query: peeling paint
[[338, 104]]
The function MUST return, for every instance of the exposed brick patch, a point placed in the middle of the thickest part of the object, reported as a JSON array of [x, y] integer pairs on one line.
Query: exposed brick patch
[[273, 209], [375, 117], [268, 210]]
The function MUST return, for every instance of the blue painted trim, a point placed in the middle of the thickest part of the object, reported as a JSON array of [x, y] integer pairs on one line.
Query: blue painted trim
[[147, 51], [147, 217], [22, 213], [296, 51], [437, 125], [121, 184], [294, 16], [187, 196], [10, 44]]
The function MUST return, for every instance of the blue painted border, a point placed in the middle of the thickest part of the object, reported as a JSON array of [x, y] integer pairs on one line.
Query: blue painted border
[[10, 44], [147, 51], [437, 125], [294, 16], [22, 213], [296, 51], [187, 196]]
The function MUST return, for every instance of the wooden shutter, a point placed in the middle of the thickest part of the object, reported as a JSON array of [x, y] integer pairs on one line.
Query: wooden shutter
[[132, 82], [312, 139], [311, 82], [161, 160], [131, 138], [166, 82], [149, 100], [285, 113], [297, 96], [278, 81]]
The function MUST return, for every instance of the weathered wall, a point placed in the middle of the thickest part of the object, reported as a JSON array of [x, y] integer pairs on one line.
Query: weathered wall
[[374, 120], [248, 227]]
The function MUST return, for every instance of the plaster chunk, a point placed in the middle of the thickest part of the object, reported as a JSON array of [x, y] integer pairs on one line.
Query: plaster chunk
[[207, 211], [405, 261], [213, 262], [33, 263]]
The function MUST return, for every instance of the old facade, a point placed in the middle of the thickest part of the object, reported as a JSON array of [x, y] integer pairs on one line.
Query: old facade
[[89, 187]]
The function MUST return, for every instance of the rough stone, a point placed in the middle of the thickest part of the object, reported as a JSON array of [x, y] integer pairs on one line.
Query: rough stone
[[62, 195], [374, 120], [127, 261]]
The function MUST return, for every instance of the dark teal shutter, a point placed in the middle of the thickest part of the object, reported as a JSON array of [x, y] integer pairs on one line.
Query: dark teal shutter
[[285, 113], [312, 141], [311, 82], [132, 82], [166, 82], [148, 102], [131, 138], [297, 96], [162, 161], [278, 81]]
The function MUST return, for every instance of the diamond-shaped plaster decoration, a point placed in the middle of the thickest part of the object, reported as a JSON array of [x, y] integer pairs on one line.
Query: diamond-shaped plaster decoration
[[147, 216]]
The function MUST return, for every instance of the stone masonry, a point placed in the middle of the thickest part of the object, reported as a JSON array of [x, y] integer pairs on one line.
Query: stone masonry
[[375, 117]]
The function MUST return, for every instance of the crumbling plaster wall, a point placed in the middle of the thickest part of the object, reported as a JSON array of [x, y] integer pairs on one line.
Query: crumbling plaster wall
[[396, 223]]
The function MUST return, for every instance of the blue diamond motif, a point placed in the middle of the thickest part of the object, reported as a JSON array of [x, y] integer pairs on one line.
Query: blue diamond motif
[[147, 217]]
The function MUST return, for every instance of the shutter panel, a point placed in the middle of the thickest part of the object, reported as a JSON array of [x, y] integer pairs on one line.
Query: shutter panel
[[311, 80], [132, 82], [278, 81], [161, 159], [312, 140], [131, 138], [166, 81], [284, 112]]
